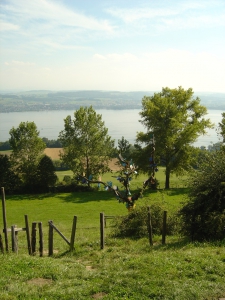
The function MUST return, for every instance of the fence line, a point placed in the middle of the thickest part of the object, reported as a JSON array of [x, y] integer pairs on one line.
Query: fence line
[[31, 240]]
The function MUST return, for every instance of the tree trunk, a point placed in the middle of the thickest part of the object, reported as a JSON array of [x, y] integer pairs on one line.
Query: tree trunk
[[167, 183]]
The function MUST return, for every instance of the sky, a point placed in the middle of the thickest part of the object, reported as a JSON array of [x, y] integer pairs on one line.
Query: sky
[[121, 45]]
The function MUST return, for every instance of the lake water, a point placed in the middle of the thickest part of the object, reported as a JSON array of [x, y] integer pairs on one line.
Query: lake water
[[119, 123]]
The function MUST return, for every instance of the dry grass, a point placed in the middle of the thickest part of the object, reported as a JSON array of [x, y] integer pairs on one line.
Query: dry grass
[[54, 154]]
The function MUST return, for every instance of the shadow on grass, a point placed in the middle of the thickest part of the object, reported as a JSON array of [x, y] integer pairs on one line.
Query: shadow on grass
[[176, 191], [84, 197], [88, 196], [29, 197]]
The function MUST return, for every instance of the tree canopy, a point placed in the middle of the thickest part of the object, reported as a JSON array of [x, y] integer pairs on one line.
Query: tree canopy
[[222, 126], [27, 147], [177, 120], [46, 175], [203, 214], [8, 179], [87, 147]]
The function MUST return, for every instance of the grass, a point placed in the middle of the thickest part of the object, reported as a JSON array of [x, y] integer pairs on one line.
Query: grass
[[124, 269]]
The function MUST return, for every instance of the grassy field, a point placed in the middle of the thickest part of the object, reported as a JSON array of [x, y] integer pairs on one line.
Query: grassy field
[[124, 269]]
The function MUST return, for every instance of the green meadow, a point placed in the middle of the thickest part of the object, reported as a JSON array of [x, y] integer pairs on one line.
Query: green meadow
[[125, 269]]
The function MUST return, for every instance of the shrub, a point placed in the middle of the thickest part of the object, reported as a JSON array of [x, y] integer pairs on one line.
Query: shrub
[[67, 179], [135, 223], [203, 216]]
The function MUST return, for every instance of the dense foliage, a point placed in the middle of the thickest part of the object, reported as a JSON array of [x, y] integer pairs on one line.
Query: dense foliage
[[204, 213], [8, 179], [177, 120], [135, 224], [27, 147], [46, 175], [86, 143]]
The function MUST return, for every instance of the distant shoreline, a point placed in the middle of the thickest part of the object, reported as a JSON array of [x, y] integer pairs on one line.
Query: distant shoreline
[[96, 108], [38, 101]]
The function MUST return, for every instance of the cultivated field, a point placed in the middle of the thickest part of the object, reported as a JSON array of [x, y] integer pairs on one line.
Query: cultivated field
[[55, 152]]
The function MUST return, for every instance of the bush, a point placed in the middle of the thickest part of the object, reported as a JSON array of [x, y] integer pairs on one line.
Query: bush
[[135, 223], [203, 216], [70, 188], [67, 179]]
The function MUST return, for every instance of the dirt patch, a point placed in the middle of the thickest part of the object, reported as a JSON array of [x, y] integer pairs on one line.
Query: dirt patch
[[112, 164], [99, 295], [39, 281]]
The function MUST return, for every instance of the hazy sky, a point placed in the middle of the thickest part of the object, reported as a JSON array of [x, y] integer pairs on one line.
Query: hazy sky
[[122, 45]]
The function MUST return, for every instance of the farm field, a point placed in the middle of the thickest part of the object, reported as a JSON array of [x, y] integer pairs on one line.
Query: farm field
[[125, 269]]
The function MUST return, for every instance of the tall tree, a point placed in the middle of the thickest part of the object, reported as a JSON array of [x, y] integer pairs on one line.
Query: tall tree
[[87, 147], [124, 147], [177, 120], [46, 175], [27, 147]]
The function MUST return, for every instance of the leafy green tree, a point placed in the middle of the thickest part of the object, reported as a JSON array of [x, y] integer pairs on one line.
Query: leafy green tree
[[204, 213], [8, 179], [27, 147], [87, 147], [222, 132], [176, 119], [46, 175], [124, 147]]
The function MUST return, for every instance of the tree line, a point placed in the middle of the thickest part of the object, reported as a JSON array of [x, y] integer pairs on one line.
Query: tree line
[[173, 116], [48, 143]]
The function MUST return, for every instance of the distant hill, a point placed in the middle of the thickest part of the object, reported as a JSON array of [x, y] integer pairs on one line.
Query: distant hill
[[42, 100]]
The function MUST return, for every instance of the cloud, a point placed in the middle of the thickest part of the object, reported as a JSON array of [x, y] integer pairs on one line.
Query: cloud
[[19, 63], [135, 14], [52, 12], [6, 26], [116, 57], [172, 15], [50, 23], [56, 45]]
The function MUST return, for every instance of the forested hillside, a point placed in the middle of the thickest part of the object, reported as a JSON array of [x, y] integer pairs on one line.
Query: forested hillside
[[50, 100]]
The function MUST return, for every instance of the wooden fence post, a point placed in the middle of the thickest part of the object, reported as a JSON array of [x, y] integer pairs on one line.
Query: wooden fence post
[[41, 243], [28, 234], [164, 227], [33, 237], [150, 227], [14, 239], [73, 233], [1, 244], [4, 219], [50, 239], [102, 227]]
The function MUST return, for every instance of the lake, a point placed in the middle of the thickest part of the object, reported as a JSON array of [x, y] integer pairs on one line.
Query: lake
[[119, 123]]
